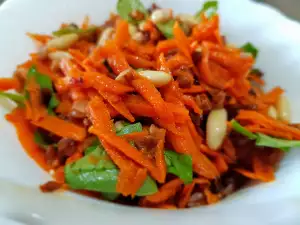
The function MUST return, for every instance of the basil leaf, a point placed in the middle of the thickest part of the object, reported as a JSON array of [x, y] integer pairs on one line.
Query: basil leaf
[[210, 9], [40, 140], [179, 165], [96, 172], [136, 127], [18, 99], [90, 149], [110, 196], [166, 28], [126, 7], [53, 103], [44, 81], [267, 141], [73, 30], [240, 129], [249, 48]]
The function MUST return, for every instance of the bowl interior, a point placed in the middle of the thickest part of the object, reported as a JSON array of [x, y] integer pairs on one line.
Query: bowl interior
[[278, 41]]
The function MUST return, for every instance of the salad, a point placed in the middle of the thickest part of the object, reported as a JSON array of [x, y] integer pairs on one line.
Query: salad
[[150, 109]]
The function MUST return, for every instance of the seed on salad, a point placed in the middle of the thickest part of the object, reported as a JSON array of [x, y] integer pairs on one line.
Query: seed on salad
[[187, 19], [121, 76], [138, 36], [272, 112], [63, 42], [132, 30], [283, 108], [161, 15], [216, 128], [59, 55], [105, 35], [158, 78], [119, 125]]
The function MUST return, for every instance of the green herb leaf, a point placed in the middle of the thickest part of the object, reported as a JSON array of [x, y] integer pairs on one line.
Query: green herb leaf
[[131, 128], [267, 141], [126, 7], [44, 81], [96, 172], [53, 103], [39, 139], [18, 99], [248, 47], [240, 129], [179, 165], [166, 28], [90, 149], [110, 196], [73, 30], [210, 9]]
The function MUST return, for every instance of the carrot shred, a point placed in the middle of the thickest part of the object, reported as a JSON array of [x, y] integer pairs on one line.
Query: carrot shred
[[162, 64], [190, 102], [229, 149], [246, 173], [165, 192], [186, 145], [118, 104], [182, 41], [210, 197], [25, 134], [122, 33], [41, 38], [139, 62], [131, 176], [138, 106], [267, 122], [221, 164], [145, 88], [61, 127], [165, 46], [103, 83], [100, 115], [193, 90], [38, 111], [272, 96], [135, 135], [263, 171], [187, 191], [9, 84], [86, 23]]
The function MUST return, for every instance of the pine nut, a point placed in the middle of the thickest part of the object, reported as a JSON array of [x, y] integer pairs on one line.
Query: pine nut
[[132, 30], [105, 35], [187, 19], [121, 76], [272, 112], [59, 55], [119, 125], [283, 108], [138, 36], [216, 128], [142, 26], [63, 42], [158, 78], [161, 15]]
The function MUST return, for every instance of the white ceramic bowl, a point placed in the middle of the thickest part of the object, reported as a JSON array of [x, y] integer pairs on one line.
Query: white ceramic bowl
[[278, 40]]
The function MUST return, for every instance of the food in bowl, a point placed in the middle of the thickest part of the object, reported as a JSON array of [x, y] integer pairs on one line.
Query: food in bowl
[[149, 109]]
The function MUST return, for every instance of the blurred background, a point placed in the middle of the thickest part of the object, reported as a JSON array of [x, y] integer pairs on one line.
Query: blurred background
[[289, 7]]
